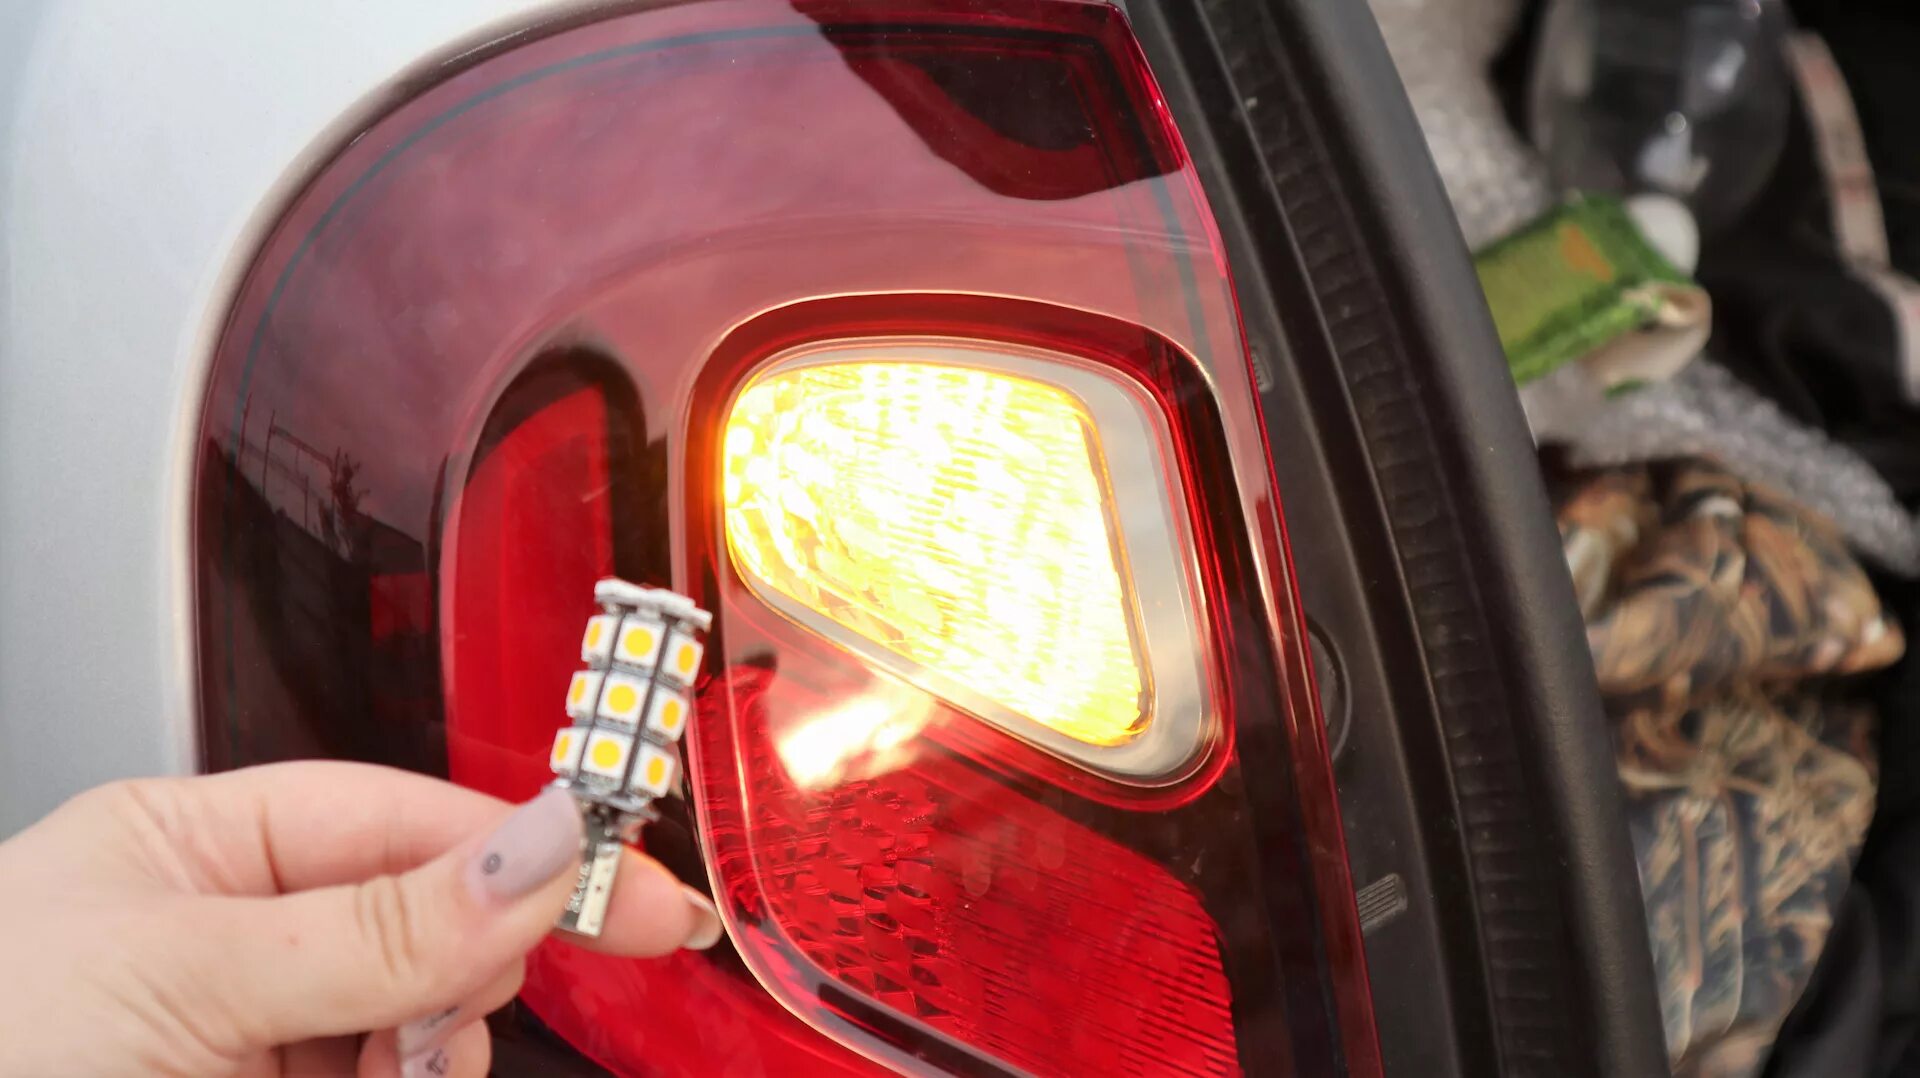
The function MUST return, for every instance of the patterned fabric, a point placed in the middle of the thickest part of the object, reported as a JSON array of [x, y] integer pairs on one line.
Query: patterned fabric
[[1712, 608], [1745, 815], [1710, 582]]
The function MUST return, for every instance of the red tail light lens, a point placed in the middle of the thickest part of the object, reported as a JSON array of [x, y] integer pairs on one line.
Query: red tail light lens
[[931, 896], [535, 492], [899, 335], [914, 873]]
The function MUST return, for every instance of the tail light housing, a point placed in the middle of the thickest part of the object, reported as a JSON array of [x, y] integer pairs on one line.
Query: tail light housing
[[898, 334]]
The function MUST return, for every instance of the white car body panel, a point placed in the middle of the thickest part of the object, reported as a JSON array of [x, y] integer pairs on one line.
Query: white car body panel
[[144, 150]]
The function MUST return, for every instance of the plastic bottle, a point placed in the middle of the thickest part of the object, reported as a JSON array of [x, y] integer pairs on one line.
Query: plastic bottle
[[1687, 98]]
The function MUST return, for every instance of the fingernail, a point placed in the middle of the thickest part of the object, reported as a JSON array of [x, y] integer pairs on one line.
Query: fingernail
[[434, 1064], [422, 1033], [706, 922], [541, 838]]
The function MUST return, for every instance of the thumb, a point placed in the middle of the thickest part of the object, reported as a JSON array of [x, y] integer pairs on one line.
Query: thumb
[[370, 955]]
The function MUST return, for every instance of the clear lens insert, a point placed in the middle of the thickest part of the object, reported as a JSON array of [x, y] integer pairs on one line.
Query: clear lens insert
[[951, 513]]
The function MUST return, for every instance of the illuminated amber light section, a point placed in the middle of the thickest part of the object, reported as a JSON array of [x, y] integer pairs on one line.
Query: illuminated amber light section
[[959, 517]]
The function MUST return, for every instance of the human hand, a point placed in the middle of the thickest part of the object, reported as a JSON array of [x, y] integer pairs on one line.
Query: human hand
[[258, 922]]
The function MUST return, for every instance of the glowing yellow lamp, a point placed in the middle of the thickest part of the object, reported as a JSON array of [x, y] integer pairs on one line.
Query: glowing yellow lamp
[[958, 516]]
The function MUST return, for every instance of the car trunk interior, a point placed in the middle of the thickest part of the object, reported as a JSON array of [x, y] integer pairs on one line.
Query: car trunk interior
[[1739, 527]]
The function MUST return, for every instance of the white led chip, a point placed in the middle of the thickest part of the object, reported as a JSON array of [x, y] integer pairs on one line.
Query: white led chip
[[639, 643], [621, 702], [653, 775], [667, 715], [582, 691], [683, 658], [606, 754], [598, 643], [566, 750]]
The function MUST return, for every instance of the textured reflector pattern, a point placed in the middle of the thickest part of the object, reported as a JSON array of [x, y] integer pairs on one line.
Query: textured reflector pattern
[[956, 516], [942, 895]]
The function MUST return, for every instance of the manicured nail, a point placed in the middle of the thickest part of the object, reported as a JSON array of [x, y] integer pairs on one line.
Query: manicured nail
[[421, 1034], [706, 922], [434, 1064], [534, 845]]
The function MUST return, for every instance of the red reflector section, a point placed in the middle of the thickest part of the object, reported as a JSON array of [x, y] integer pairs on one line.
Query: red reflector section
[[399, 605], [952, 899], [533, 535]]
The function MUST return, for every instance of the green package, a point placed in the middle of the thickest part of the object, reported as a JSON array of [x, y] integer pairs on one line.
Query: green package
[[1571, 283]]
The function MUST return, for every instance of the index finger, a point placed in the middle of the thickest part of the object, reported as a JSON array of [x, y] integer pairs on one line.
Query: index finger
[[280, 828]]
